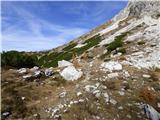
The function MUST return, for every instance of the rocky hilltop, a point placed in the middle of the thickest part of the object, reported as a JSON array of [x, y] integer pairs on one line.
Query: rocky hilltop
[[139, 8], [110, 73]]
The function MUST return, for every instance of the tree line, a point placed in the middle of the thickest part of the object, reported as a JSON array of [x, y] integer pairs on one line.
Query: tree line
[[17, 59]]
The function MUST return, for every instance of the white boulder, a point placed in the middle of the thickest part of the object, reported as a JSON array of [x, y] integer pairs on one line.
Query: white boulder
[[111, 66], [71, 73], [64, 63], [151, 113]]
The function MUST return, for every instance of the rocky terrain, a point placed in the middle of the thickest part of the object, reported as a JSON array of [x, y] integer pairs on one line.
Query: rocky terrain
[[110, 73]]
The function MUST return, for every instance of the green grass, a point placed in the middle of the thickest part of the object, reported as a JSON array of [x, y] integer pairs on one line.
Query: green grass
[[70, 46], [68, 52], [118, 42], [95, 40]]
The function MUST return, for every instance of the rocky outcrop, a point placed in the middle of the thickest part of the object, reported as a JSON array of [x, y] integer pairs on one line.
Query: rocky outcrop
[[137, 8]]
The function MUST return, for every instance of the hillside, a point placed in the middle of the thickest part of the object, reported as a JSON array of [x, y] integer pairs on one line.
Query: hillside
[[110, 73]]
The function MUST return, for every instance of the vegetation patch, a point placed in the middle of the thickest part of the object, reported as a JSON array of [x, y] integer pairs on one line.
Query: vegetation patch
[[21, 59], [67, 55], [158, 15], [118, 42], [141, 43], [89, 43], [17, 59], [70, 46]]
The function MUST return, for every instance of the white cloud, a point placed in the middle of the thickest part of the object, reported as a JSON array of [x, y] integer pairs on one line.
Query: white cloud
[[32, 37]]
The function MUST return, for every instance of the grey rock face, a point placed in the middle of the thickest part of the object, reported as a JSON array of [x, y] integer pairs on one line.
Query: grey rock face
[[141, 8], [138, 8]]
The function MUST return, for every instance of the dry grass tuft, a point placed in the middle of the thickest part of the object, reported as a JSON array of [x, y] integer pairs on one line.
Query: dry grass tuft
[[112, 85], [148, 95], [154, 76]]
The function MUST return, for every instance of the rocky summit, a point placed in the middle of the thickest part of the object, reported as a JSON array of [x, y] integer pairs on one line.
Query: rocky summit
[[110, 73]]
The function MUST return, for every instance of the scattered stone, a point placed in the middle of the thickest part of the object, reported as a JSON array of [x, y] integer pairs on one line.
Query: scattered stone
[[151, 113], [35, 68], [37, 73], [22, 98], [81, 100], [146, 76], [97, 84], [113, 101], [106, 96], [48, 72], [126, 74], [37, 116], [158, 105], [113, 75], [5, 113], [63, 94], [90, 88], [129, 116], [97, 93], [79, 94], [121, 93], [64, 63], [22, 70], [120, 108], [26, 77], [112, 65]]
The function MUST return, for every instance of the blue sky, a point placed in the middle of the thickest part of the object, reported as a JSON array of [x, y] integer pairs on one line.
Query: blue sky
[[35, 26]]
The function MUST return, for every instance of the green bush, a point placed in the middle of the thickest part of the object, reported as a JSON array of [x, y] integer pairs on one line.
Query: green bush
[[115, 44], [95, 40], [17, 59], [118, 42], [158, 15], [69, 51], [141, 42], [59, 57], [70, 46], [51, 60]]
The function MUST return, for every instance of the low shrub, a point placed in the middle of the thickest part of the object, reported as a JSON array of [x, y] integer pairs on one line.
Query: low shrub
[[70, 46], [115, 44], [118, 42], [18, 59], [141, 43], [158, 15], [148, 95]]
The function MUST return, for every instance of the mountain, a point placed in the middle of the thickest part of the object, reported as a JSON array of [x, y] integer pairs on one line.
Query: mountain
[[109, 73], [139, 17]]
